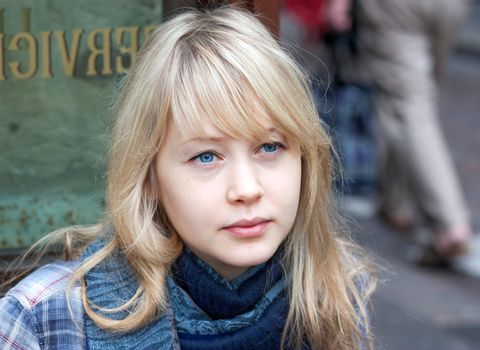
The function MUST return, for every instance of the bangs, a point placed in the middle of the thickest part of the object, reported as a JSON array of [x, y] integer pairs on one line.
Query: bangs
[[208, 87]]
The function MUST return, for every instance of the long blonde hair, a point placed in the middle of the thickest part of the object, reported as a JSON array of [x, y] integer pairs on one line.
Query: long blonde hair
[[224, 64]]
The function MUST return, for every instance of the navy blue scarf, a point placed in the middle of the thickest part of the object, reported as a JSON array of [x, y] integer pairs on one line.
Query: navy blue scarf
[[246, 313], [205, 311]]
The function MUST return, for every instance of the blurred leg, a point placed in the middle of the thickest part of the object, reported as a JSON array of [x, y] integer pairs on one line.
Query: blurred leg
[[398, 56], [396, 203]]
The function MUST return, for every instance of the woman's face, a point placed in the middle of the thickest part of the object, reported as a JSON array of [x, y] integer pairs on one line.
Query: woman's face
[[232, 201]]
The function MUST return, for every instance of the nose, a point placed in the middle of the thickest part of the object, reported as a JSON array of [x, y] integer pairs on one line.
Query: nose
[[244, 185]]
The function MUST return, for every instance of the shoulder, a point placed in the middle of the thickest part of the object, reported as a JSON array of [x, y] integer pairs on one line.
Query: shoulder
[[45, 282], [37, 311]]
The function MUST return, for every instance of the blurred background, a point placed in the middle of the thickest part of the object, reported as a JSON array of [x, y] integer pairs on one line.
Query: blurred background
[[61, 63]]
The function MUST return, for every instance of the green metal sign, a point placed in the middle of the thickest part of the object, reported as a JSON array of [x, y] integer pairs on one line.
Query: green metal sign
[[59, 65]]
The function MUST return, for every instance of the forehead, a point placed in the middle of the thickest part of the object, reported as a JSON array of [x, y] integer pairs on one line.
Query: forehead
[[213, 128]]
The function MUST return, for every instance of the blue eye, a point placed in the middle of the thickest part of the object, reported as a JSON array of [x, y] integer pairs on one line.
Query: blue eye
[[270, 147], [206, 157]]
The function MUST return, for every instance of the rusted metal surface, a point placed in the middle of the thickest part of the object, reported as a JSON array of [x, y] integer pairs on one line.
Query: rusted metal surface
[[59, 64], [26, 218]]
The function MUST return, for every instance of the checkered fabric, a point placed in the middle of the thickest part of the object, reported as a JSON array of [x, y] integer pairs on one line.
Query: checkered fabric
[[35, 315]]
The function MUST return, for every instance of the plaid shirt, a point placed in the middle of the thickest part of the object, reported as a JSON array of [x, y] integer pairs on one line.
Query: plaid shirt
[[34, 314]]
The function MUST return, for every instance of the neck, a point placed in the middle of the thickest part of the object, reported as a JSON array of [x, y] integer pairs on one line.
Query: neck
[[229, 272]]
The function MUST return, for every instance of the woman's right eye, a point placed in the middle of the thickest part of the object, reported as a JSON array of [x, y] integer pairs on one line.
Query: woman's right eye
[[205, 157]]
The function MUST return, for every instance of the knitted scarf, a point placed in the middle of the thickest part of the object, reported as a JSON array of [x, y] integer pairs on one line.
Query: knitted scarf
[[205, 310]]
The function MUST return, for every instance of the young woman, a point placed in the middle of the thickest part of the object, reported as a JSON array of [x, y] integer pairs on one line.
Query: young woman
[[220, 231]]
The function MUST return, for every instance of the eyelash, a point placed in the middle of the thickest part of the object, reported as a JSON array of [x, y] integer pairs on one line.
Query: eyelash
[[279, 146]]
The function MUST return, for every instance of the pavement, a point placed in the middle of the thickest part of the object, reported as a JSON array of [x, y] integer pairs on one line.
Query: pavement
[[423, 308]]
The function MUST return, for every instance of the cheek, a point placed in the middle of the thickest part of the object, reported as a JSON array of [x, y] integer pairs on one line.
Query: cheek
[[286, 184], [187, 203], [294, 190], [284, 194], [293, 194]]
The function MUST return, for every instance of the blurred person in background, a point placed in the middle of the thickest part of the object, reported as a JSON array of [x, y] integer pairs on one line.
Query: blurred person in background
[[401, 48]]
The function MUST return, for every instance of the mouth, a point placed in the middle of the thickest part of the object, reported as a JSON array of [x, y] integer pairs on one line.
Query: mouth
[[248, 228]]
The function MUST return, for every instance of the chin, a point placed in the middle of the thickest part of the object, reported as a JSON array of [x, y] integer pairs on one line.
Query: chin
[[253, 257]]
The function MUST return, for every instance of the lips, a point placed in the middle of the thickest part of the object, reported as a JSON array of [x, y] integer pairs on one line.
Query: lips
[[248, 228]]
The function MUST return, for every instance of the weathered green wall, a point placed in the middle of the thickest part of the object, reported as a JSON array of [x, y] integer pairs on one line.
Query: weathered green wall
[[59, 61]]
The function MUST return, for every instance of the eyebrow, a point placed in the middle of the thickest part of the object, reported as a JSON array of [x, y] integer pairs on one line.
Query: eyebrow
[[211, 139], [218, 139]]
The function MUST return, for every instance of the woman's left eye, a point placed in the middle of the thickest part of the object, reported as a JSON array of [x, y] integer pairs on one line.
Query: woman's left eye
[[270, 147]]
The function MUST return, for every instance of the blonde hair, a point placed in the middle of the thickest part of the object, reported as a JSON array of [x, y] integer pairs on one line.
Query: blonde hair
[[224, 64]]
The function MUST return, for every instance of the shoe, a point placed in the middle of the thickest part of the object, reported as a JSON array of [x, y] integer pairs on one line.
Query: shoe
[[452, 242], [430, 256], [447, 247]]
